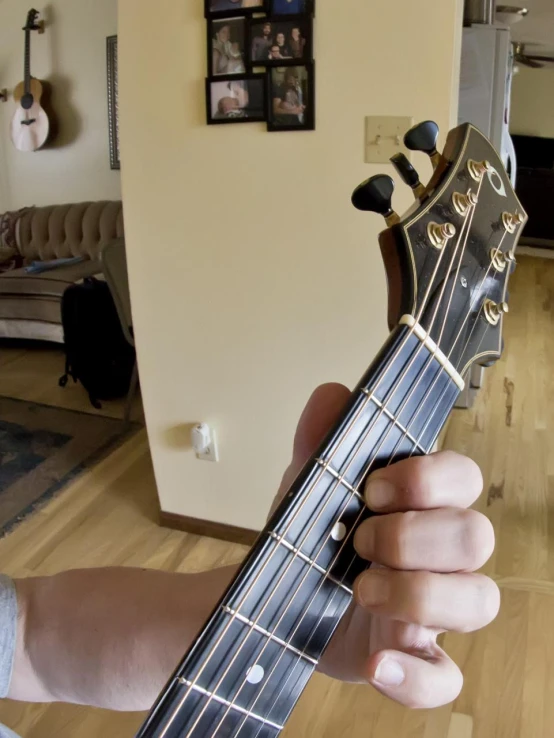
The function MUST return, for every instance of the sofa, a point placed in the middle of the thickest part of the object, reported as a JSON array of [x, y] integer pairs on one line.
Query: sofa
[[30, 303]]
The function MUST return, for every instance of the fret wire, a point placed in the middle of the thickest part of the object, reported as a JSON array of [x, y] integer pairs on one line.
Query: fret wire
[[283, 542], [399, 425], [340, 478], [226, 703], [352, 423], [267, 634]]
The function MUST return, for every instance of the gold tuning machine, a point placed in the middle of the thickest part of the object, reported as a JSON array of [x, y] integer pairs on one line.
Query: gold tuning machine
[[511, 221], [462, 203], [477, 169], [499, 260], [439, 235], [494, 312]]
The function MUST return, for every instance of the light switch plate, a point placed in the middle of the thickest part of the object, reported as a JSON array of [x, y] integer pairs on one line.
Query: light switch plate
[[384, 137]]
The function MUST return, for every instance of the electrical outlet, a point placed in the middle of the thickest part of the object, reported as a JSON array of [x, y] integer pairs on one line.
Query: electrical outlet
[[384, 138], [211, 452]]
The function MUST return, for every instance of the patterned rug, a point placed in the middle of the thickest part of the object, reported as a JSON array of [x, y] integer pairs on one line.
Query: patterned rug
[[42, 448]]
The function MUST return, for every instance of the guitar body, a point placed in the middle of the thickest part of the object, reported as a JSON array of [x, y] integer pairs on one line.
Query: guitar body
[[30, 127]]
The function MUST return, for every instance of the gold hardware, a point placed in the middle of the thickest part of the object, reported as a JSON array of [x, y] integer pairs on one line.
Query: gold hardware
[[392, 219], [510, 256], [439, 235], [494, 312], [477, 169], [498, 260], [462, 203], [508, 222]]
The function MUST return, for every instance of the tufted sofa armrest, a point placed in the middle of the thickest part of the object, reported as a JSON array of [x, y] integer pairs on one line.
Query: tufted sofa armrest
[[64, 231]]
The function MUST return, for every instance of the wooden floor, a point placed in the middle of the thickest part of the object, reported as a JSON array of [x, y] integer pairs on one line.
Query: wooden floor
[[107, 517]]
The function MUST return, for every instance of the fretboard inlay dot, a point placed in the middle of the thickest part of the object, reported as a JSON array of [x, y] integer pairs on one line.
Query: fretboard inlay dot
[[255, 674], [339, 532]]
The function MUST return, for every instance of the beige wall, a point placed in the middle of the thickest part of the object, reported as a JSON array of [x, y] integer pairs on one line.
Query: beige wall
[[533, 102], [72, 55], [253, 278]]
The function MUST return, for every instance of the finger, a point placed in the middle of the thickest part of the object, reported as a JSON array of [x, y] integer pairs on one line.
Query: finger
[[436, 540], [456, 602], [416, 682], [320, 414], [444, 479]]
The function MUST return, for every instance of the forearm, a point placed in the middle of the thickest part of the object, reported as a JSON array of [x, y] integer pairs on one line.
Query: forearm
[[107, 637]]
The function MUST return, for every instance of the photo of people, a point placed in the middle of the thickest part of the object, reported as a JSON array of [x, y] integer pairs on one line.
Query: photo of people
[[237, 100], [291, 7], [227, 50], [291, 98], [272, 42], [229, 6]]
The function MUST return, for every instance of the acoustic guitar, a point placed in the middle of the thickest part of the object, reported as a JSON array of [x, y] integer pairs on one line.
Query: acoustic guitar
[[448, 260], [31, 125]]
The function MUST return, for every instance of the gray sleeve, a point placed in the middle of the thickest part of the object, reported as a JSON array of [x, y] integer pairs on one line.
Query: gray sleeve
[[8, 627]]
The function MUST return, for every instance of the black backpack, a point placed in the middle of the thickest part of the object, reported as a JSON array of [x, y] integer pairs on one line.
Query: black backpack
[[97, 353]]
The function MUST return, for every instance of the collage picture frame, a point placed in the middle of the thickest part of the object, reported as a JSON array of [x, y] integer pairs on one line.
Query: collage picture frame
[[261, 51]]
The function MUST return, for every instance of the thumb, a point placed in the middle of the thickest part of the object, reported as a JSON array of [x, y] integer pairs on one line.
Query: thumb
[[320, 414]]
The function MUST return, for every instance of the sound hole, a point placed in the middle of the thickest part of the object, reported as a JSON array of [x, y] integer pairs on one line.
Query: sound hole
[[27, 101]]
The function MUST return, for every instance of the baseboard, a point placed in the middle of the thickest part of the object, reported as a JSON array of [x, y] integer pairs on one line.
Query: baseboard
[[208, 529]]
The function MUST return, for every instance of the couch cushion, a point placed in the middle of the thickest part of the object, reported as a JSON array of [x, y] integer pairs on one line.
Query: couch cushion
[[50, 284]]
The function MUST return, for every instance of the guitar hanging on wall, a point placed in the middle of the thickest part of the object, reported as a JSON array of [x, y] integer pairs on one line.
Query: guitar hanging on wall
[[448, 260], [31, 126]]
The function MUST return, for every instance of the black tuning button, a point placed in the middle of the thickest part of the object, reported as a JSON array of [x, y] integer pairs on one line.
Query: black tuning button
[[409, 174], [375, 196], [424, 137]]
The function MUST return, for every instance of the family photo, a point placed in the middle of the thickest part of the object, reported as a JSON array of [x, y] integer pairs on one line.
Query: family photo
[[291, 97], [227, 54], [229, 6], [236, 101], [272, 42]]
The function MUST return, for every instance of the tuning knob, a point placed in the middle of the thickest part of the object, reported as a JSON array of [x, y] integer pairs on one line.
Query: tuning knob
[[408, 174], [424, 137], [375, 196]]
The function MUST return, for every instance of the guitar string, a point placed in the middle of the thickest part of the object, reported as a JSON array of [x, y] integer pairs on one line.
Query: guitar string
[[256, 621], [314, 484], [383, 441], [314, 629]]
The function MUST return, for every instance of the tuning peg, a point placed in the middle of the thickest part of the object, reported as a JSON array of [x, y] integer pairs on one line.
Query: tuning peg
[[375, 195], [424, 137], [408, 174]]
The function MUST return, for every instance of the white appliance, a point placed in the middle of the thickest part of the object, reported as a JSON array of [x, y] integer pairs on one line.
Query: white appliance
[[486, 86], [487, 73]]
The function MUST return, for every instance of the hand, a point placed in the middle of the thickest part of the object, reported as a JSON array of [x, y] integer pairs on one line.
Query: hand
[[426, 546]]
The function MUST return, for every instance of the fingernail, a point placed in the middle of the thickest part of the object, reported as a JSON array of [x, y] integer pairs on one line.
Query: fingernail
[[379, 493], [389, 673], [374, 589]]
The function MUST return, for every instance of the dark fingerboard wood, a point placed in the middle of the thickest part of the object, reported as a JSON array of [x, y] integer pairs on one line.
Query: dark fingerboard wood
[[246, 672]]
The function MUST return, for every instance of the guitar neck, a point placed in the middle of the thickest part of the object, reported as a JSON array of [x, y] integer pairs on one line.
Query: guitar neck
[[27, 63], [249, 667]]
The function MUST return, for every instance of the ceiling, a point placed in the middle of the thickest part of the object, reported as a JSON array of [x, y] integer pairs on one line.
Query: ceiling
[[537, 27]]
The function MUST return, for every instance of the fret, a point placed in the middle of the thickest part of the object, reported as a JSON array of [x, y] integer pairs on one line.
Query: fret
[[307, 560], [290, 589], [269, 635], [334, 473], [404, 430], [230, 705]]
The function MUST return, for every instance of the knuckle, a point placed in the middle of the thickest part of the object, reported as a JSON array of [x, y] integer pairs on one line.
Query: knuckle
[[478, 538], [394, 544], [421, 481], [419, 598]]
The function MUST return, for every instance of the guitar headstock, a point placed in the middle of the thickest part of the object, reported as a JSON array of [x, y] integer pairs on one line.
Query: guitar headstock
[[449, 259], [31, 23]]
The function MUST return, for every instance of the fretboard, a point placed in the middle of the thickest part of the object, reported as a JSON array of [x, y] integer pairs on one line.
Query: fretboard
[[27, 64], [246, 672]]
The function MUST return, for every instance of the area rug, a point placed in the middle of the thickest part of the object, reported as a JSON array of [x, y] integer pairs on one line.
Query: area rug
[[42, 448]]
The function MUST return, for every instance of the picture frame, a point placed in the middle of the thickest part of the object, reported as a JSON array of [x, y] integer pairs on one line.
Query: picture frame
[[241, 98], [228, 41], [230, 8], [280, 41], [303, 91], [291, 7], [113, 101]]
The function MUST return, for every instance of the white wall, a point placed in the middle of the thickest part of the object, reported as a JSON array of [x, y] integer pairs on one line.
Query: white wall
[[71, 54], [533, 102], [253, 278]]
